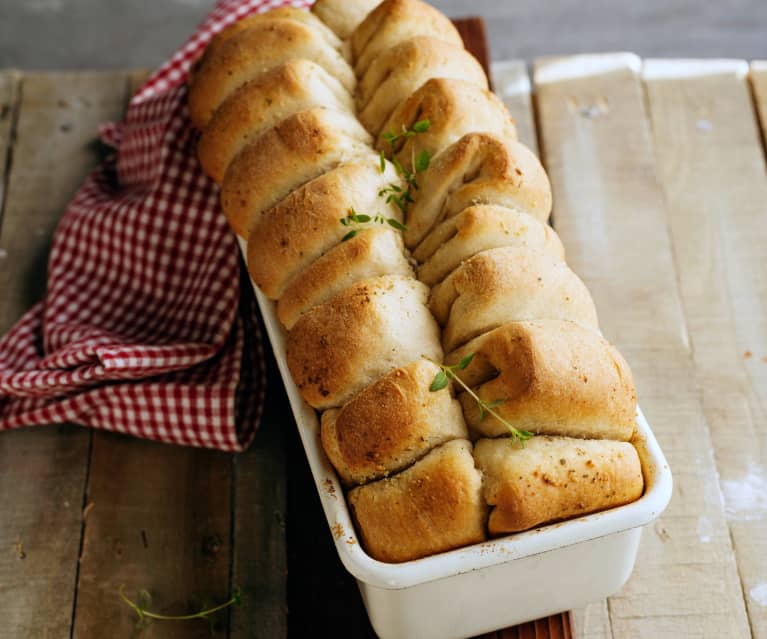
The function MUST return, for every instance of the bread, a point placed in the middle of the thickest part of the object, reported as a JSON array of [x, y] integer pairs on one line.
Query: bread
[[276, 97], [391, 424], [343, 16], [399, 71], [299, 149], [553, 378], [554, 478], [478, 169], [433, 506], [253, 51], [305, 224], [281, 13], [453, 108], [337, 349], [296, 85], [477, 229], [394, 21], [370, 253], [504, 285]]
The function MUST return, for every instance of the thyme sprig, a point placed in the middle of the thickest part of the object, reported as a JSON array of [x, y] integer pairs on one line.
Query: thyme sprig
[[358, 221], [144, 614], [447, 373], [403, 197]]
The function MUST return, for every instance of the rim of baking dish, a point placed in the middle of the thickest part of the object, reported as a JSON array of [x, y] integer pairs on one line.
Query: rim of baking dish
[[658, 487]]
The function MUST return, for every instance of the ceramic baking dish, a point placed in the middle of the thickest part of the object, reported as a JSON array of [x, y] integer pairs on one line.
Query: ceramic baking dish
[[499, 583]]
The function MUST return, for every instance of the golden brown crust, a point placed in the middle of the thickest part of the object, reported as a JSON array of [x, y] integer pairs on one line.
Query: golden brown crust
[[394, 21], [253, 51], [296, 85], [434, 506], [305, 225], [400, 70], [391, 424], [299, 149], [555, 478], [337, 349], [553, 378], [508, 284], [480, 228], [478, 169], [453, 108], [343, 16], [371, 253]]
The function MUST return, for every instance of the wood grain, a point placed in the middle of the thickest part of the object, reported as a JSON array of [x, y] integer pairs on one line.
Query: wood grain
[[9, 106], [712, 169], [260, 566], [44, 468], [611, 216], [759, 85]]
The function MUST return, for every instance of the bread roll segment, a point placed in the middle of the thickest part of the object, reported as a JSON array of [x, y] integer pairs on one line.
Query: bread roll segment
[[394, 21], [433, 506], [508, 284], [306, 224], [343, 16], [391, 424], [253, 51], [453, 108], [478, 169], [297, 150], [480, 228], [371, 253], [552, 378], [399, 71], [296, 85], [554, 478], [337, 349]]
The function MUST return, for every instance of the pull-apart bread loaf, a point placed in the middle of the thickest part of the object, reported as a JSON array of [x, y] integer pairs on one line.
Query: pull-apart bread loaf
[[363, 158]]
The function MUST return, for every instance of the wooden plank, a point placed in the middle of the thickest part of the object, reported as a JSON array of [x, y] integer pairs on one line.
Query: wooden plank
[[712, 168], [44, 469], [160, 520], [474, 37], [9, 98], [512, 84], [759, 85], [610, 213], [260, 566]]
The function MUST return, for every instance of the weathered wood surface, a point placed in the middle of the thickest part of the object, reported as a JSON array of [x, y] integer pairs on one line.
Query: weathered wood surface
[[43, 469], [611, 214], [662, 212], [710, 162]]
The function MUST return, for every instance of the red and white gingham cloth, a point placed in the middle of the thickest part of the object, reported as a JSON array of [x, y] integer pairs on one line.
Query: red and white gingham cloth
[[148, 327]]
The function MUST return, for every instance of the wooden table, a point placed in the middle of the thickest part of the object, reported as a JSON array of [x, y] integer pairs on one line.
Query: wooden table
[[660, 190]]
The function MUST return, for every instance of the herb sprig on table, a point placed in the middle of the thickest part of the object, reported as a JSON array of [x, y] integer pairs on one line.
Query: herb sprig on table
[[144, 615], [447, 373]]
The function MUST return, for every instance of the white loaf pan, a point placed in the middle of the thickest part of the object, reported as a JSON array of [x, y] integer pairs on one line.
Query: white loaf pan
[[496, 584]]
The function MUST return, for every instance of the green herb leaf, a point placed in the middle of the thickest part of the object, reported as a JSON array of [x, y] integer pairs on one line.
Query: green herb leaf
[[440, 382], [349, 235], [382, 159], [465, 362], [422, 126], [422, 161], [389, 136], [396, 224], [361, 219]]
